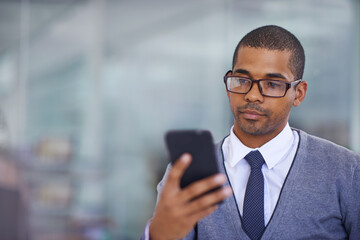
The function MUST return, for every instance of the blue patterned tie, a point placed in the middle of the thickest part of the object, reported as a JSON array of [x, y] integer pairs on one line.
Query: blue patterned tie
[[253, 211]]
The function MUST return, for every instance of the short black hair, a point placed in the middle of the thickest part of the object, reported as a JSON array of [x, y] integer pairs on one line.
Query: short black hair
[[275, 38]]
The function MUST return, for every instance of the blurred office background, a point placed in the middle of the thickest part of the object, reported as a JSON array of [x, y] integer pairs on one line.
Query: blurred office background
[[89, 87]]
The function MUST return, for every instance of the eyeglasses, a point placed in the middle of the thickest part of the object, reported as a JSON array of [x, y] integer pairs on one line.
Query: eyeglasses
[[267, 87]]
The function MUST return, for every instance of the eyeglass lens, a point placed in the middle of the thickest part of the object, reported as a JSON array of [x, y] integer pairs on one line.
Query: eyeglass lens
[[267, 87]]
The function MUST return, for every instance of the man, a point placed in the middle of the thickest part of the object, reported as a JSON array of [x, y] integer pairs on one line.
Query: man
[[279, 183]]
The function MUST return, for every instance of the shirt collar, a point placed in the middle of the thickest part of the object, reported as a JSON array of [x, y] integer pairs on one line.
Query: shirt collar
[[273, 151]]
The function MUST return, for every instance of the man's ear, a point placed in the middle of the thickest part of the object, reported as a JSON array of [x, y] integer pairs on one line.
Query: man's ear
[[227, 74], [300, 93]]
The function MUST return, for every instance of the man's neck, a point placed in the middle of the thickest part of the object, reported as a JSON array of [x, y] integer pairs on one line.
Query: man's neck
[[255, 141]]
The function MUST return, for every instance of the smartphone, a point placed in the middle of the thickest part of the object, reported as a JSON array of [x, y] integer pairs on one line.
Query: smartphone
[[199, 143]]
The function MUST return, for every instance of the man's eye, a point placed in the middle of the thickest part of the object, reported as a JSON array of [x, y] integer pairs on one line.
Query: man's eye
[[242, 81], [273, 84]]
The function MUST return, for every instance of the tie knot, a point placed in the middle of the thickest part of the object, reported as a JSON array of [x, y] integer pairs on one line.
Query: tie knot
[[255, 159]]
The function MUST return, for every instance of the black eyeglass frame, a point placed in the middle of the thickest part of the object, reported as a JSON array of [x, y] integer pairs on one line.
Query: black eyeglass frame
[[288, 85]]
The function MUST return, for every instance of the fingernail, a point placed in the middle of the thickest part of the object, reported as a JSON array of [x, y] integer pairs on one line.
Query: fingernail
[[219, 179], [227, 191], [185, 157]]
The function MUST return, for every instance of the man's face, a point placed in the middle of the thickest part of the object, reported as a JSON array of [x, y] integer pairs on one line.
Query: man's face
[[253, 113]]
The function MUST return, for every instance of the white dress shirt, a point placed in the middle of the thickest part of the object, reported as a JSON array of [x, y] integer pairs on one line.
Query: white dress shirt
[[278, 154]]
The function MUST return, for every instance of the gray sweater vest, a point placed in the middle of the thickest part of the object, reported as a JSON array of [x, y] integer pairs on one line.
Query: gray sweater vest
[[320, 198]]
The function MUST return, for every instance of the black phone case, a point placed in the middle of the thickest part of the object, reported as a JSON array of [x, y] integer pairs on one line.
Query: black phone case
[[199, 143]]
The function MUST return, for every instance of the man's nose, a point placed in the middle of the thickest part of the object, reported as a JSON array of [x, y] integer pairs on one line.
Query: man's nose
[[254, 94]]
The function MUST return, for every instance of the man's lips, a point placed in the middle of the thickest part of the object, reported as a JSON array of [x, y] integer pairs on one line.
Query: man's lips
[[252, 114]]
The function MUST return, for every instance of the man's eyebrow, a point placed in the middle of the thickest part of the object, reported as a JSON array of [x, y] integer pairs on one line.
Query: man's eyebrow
[[268, 75], [276, 75], [243, 71]]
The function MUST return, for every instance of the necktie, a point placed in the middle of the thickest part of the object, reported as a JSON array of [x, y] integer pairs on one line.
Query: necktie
[[253, 211]]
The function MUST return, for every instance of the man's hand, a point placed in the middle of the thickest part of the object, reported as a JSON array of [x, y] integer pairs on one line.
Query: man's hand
[[176, 212]]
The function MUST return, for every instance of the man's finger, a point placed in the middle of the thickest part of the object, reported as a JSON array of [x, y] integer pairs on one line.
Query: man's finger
[[207, 201], [178, 169], [201, 214], [202, 186]]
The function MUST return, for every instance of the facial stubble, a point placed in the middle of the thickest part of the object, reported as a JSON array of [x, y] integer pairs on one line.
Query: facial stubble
[[258, 127]]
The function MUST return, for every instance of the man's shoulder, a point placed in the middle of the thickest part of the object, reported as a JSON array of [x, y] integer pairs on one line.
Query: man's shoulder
[[318, 146]]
